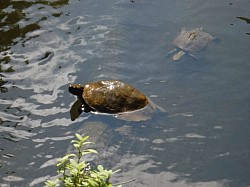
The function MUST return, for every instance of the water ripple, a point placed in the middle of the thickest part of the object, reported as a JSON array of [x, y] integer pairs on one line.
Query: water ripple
[[15, 135], [45, 46]]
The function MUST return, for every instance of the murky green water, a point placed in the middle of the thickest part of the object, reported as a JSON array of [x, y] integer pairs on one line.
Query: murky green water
[[203, 140]]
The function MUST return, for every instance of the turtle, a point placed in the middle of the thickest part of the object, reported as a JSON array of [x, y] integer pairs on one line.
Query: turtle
[[113, 97], [190, 42]]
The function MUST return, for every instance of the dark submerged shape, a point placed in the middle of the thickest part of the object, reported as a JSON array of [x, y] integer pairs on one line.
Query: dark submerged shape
[[109, 97], [190, 42]]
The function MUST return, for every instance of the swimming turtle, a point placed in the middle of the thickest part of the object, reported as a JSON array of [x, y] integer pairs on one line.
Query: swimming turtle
[[114, 97], [190, 42]]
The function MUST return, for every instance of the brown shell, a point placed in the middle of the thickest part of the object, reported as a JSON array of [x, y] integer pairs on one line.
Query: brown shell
[[113, 97]]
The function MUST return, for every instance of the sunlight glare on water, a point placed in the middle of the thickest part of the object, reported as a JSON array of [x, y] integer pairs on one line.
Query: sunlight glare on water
[[202, 139]]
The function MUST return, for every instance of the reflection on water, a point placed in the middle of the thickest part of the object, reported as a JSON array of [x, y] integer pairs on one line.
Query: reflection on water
[[17, 22], [46, 45]]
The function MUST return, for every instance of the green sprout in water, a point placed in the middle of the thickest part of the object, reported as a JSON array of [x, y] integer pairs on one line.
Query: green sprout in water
[[75, 172]]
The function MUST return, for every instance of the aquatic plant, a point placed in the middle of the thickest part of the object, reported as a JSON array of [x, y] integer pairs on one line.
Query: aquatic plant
[[74, 171]]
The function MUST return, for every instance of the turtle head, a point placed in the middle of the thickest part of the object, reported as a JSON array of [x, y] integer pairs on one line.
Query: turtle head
[[76, 89]]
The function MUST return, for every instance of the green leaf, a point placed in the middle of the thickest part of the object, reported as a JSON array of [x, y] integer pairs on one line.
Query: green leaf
[[85, 143], [85, 183], [75, 141], [51, 183], [84, 138], [72, 171], [68, 182], [87, 151], [76, 145], [81, 165], [92, 182], [100, 167], [78, 136], [73, 163], [64, 159]]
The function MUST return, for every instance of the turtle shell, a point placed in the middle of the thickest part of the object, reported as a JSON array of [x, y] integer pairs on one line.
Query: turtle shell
[[110, 96], [193, 41]]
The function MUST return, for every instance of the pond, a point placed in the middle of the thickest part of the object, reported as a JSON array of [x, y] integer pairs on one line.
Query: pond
[[202, 140]]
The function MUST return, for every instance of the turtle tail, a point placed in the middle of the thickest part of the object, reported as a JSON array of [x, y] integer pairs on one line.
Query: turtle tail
[[76, 89]]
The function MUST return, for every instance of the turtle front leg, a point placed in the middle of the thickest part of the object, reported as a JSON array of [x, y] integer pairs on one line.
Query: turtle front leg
[[86, 108], [178, 55]]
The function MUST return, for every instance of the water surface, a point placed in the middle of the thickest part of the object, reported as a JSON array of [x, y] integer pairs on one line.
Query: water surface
[[203, 140]]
